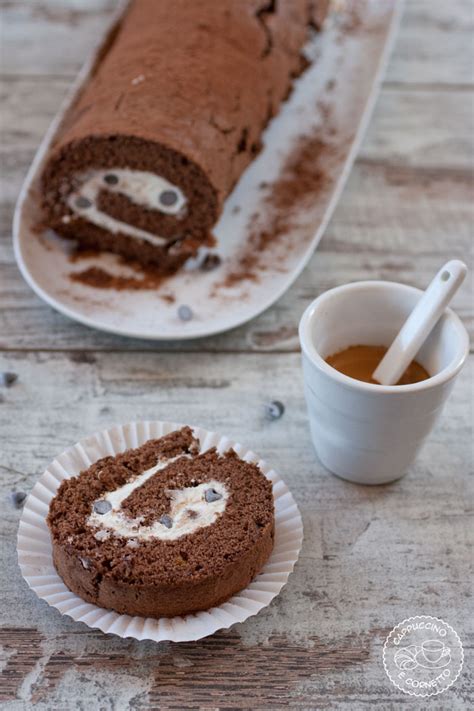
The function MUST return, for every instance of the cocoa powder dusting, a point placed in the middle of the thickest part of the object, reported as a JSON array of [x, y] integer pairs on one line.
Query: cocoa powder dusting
[[101, 279], [78, 254], [301, 179], [148, 277], [351, 18]]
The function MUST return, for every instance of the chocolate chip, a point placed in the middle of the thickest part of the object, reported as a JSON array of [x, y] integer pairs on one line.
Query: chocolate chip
[[86, 562], [167, 521], [111, 179], [7, 379], [18, 498], [102, 506], [185, 313], [168, 198], [275, 409], [210, 262], [83, 202], [212, 495], [191, 513]]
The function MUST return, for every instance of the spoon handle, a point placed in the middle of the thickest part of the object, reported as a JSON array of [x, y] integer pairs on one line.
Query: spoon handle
[[420, 323]]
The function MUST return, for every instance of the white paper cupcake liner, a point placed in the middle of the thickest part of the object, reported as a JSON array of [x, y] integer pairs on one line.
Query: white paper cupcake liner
[[35, 551]]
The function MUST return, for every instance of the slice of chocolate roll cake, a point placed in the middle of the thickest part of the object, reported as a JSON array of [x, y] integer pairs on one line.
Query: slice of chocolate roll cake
[[168, 121], [162, 530]]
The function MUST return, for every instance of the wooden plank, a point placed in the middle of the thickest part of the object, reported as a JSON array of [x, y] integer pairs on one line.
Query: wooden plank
[[434, 45], [422, 128], [371, 556], [51, 36]]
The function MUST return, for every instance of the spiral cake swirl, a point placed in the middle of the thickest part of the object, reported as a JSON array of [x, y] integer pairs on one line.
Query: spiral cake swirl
[[162, 530]]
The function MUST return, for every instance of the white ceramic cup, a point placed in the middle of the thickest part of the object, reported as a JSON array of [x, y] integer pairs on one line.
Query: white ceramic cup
[[368, 433]]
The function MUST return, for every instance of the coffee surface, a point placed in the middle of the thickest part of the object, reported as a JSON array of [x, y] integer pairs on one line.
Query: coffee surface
[[359, 362]]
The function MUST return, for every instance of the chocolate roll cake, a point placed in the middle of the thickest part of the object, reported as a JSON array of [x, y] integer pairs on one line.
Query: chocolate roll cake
[[170, 117], [162, 530]]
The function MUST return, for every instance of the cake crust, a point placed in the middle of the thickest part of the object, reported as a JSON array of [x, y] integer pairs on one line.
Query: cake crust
[[155, 577]]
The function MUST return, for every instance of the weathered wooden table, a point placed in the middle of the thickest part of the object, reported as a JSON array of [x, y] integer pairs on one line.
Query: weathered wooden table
[[371, 556]]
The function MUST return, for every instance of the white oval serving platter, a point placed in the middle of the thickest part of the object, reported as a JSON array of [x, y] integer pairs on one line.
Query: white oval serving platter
[[332, 102]]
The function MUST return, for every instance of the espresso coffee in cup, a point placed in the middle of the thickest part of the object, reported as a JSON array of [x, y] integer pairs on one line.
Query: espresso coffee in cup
[[360, 362]]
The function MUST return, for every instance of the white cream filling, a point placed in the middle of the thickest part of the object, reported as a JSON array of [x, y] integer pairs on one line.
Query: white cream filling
[[188, 511], [141, 187]]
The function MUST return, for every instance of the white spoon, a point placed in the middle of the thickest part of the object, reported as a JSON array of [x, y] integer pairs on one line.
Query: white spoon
[[420, 323]]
